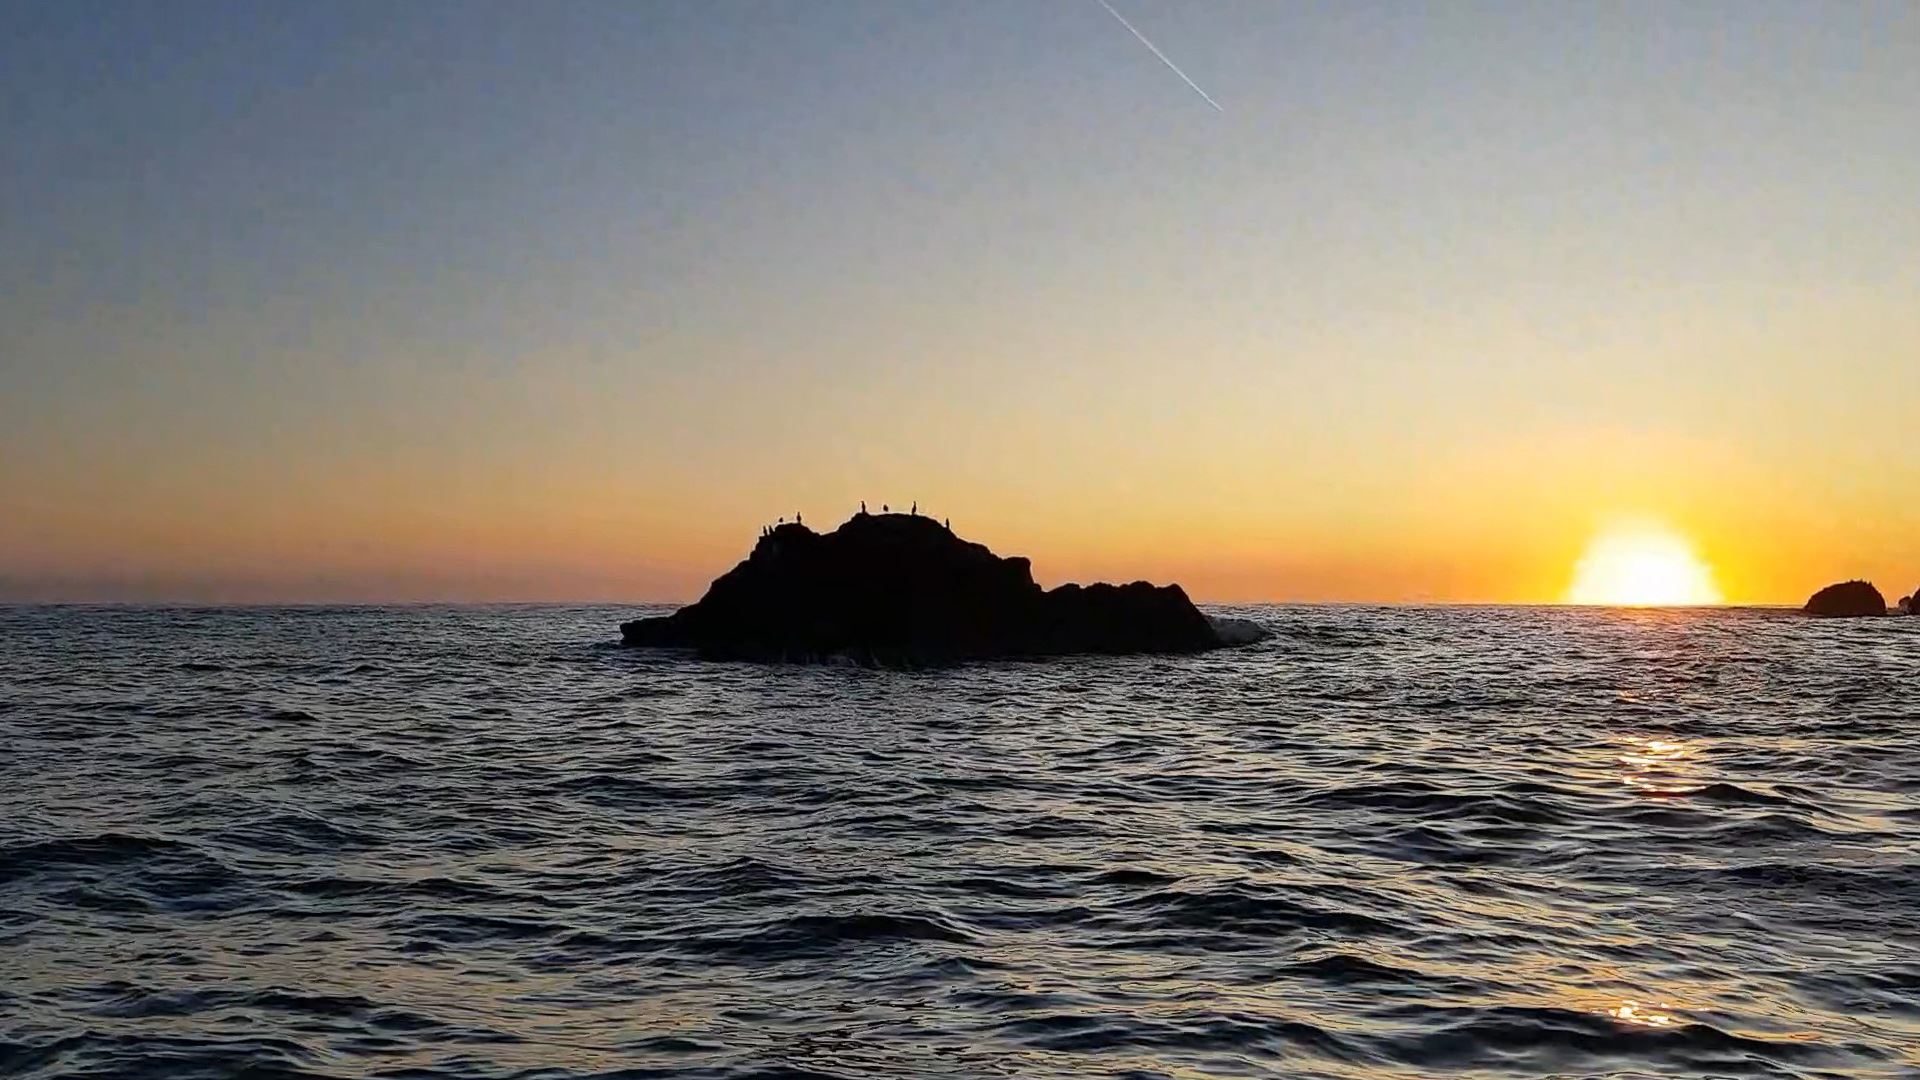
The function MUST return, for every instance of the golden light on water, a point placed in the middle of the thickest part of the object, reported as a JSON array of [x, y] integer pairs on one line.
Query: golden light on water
[[1647, 766], [1642, 565], [1656, 753], [1633, 1012], [1660, 767]]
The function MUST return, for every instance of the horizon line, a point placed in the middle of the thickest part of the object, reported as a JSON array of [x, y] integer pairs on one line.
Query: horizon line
[[186, 603]]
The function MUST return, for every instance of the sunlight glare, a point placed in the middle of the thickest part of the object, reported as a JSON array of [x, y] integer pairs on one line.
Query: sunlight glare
[[1632, 1012], [1641, 566]]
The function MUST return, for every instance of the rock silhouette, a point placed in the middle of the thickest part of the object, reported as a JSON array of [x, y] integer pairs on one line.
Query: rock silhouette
[[1848, 598], [1909, 604], [903, 590]]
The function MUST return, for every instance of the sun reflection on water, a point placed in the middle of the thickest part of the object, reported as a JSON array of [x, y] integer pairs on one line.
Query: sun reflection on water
[[1660, 766], [1633, 1012]]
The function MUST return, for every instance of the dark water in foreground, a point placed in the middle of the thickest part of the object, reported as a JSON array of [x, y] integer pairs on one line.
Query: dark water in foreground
[[426, 842]]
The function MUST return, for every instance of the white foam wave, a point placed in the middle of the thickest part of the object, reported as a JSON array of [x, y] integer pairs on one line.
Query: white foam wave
[[1234, 631]]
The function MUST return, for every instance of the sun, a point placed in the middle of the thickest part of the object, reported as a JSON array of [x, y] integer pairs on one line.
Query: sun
[[1641, 565]]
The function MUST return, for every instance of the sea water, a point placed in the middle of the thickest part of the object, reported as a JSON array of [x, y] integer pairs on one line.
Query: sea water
[[1388, 842]]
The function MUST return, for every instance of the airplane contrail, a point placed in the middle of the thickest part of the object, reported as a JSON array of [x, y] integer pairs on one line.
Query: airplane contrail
[[1163, 56]]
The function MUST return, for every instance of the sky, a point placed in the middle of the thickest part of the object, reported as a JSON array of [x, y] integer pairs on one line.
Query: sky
[[489, 301]]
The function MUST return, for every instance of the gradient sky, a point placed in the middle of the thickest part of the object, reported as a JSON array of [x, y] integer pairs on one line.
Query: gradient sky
[[477, 300]]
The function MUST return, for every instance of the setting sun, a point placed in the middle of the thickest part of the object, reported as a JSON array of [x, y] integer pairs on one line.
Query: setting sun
[[1641, 565]]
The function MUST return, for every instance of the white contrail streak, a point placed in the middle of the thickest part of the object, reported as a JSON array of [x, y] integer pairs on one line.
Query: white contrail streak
[[1163, 56]]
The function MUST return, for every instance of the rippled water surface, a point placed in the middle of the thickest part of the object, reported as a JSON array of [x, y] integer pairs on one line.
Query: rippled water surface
[[424, 842]]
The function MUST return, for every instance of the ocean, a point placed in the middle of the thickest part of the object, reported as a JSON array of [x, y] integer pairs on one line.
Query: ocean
[[420, 842]]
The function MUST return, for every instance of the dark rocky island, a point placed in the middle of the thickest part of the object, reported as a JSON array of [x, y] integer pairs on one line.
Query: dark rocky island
[[1847, 599], [903, 590]]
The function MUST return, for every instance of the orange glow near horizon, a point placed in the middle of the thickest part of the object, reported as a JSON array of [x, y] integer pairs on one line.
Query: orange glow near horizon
[[1491, 527]]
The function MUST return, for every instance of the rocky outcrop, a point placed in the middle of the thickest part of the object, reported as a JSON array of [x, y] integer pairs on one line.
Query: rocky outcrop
[[1849, 598], [1911, 604], [903, 590]]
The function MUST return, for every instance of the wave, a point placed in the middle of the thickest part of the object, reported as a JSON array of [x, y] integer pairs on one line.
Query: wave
[[1530, 805], [1087, 1031], [1237, 631], [98, 850], [806, 936], [1245, 908], [297, 832], [1544, 1039]]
